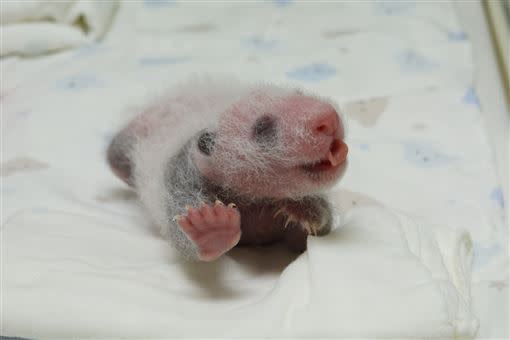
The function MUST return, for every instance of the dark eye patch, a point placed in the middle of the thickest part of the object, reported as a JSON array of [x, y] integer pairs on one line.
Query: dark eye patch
[[264, 130], [206, 142]]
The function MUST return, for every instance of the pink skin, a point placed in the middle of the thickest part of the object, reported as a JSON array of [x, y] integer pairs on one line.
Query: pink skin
[[213, 229], [315, 157], [310, 130]]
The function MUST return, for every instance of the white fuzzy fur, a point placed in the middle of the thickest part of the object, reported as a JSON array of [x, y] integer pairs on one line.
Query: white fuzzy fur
[[204, 100]]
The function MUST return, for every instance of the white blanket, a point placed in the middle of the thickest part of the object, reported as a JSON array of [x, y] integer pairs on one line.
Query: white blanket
[[41, 26], [74, 238], [380, 275]]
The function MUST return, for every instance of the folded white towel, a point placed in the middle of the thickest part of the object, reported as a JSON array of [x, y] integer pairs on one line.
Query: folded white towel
[[37, 27]]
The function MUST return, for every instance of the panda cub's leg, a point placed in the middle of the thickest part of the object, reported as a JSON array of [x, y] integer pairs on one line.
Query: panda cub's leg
[[311, 215], [118, 156], [119, 153]]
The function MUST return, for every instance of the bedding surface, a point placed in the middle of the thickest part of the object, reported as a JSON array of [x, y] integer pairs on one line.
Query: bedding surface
[[38, 26], [421, 231], [129, 284]]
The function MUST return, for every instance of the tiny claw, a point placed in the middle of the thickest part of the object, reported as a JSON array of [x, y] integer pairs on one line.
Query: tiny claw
[[176, 218], [314, 230], [188, 207], [310, 228], [278, 212], [306, 227], [232, 205], [289, 221], [218, 202]]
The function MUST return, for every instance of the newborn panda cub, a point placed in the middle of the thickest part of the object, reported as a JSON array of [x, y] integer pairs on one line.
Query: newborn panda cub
[[217, 163]]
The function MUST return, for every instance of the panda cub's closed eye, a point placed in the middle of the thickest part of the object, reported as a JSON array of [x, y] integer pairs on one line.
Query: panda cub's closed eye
[[265, 130], [206, 142]]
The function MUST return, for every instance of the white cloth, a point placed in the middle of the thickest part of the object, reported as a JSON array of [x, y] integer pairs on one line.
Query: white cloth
[[37, 27], [382, 274]]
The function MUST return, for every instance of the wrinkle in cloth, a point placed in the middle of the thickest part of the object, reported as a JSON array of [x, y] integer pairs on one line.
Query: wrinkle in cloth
[[31, 28]]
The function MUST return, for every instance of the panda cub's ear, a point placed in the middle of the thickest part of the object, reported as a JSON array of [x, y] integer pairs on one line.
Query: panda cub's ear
[[206, 141]]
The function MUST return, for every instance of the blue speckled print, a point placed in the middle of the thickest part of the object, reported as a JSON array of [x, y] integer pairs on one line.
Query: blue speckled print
[[470, 97], [424, 155], [313, 72], [79, 82], [497, 196], [412, 61]]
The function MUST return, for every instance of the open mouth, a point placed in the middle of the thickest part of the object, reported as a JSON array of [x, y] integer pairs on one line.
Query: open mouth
[[336, 156], [319, 166]]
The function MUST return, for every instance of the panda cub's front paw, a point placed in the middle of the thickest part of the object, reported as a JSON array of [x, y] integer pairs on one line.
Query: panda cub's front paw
[[213, 229]]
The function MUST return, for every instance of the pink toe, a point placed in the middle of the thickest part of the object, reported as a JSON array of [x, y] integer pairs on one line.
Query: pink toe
[[207, 213], [233, 214], [195, 217], [219, 209], [186, 226]]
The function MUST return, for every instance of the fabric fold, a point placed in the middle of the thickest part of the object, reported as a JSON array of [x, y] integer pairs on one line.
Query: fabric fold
[[37, 27], [381, 274]]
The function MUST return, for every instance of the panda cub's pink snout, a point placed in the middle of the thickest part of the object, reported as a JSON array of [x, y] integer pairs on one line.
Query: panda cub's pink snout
[[337, 152], [328, 124]]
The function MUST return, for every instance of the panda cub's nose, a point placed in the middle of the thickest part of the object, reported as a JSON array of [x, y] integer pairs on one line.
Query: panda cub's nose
[[326, 123]]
